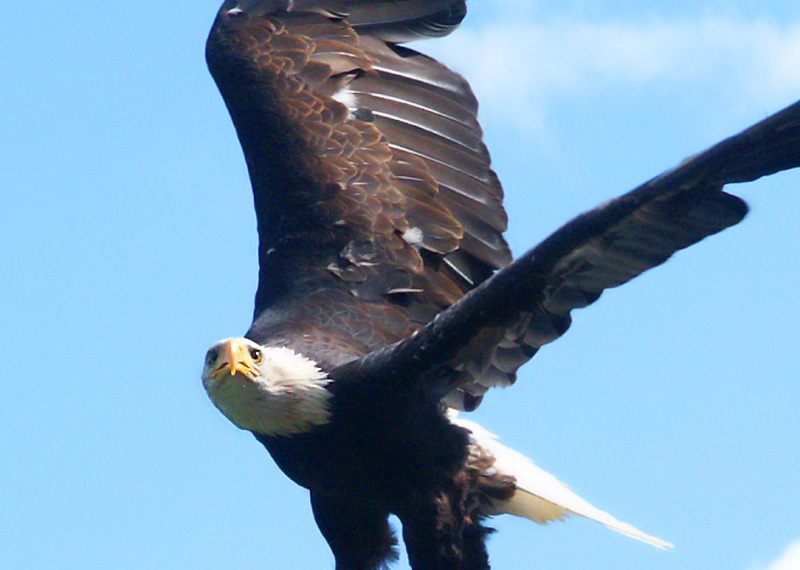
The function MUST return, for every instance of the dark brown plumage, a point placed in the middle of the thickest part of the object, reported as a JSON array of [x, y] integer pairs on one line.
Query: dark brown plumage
[[380, 228]]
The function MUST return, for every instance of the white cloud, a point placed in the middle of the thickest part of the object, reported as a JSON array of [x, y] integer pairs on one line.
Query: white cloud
[[789, 560], [524, 64]]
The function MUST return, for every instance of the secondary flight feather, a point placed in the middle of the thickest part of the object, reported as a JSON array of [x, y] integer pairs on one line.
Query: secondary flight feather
[[387, 294]]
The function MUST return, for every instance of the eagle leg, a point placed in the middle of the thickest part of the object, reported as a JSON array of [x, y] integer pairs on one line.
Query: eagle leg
[[440, 534], [476, 557], [357, 531]]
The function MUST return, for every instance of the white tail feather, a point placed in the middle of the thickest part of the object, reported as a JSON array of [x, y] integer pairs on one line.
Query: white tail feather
[[541, 497]]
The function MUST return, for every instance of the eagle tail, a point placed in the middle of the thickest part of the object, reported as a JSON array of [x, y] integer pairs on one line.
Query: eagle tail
[[539, 496]]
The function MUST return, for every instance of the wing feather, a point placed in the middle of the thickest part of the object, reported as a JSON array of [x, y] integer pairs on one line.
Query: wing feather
[[485, 337], [366, 161]]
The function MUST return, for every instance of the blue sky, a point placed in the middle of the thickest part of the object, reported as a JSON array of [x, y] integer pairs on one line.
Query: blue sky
[[129, 246]]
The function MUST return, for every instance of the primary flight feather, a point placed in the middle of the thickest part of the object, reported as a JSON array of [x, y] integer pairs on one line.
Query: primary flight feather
[[387, 296]]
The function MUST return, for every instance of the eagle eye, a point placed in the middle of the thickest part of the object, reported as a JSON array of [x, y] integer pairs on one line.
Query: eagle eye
[[211, 357], [255, 354]]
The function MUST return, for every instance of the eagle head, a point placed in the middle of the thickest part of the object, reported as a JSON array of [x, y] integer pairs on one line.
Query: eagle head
[[267, 390]]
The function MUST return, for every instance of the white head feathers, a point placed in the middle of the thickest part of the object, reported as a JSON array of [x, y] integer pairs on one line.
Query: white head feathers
[[268, 390]]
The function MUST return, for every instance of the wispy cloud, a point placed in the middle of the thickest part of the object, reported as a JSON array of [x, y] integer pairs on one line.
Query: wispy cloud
[[789, 560], [524, 65]]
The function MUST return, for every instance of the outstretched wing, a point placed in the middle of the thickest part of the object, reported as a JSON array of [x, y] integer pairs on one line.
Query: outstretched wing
[[370, 178], [504, 321]]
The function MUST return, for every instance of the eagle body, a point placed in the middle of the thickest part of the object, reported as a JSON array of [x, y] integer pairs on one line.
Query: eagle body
[[372, 452], [369, 449], [388, 300]]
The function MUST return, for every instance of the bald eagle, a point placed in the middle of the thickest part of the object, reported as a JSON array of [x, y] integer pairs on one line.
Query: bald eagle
[[388, 300]]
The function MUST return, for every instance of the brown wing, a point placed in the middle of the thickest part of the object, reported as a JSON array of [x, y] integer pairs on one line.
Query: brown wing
[[371, 184], [482, 340]]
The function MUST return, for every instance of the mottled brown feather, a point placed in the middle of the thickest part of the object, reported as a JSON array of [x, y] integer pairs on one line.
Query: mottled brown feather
[[369, 200]]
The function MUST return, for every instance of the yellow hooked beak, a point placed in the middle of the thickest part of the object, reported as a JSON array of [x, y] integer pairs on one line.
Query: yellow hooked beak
[[235, 358]]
